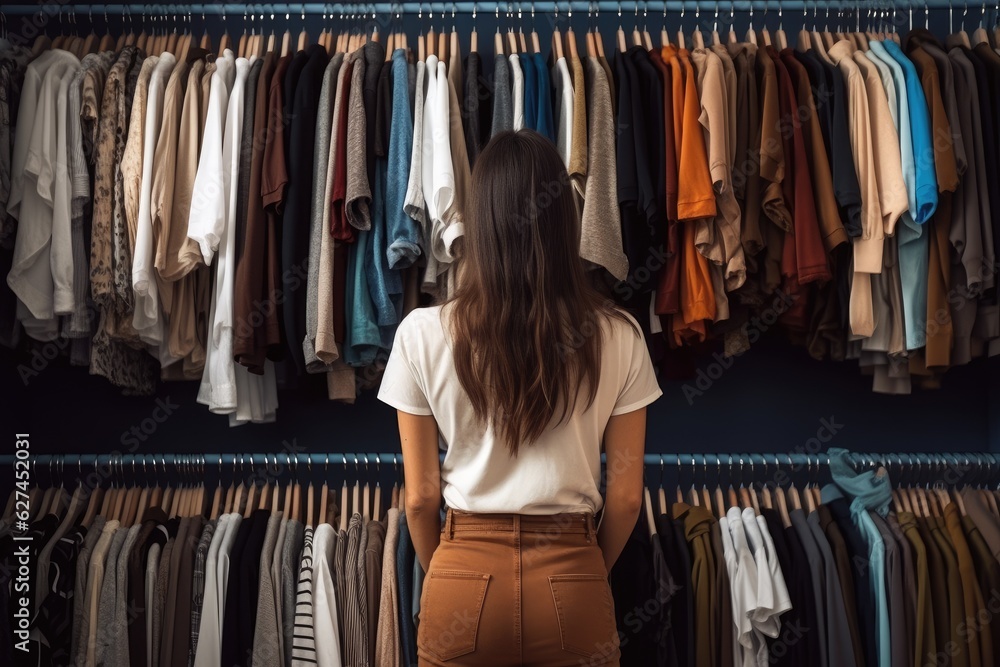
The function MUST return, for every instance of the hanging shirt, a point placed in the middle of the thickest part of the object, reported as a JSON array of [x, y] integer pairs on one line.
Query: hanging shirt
[[318, 212], [531, 97], [517, 94], [503, 112], [325, 618], [41, 282], [402, 229], [601, 233], [563, 85], [147, 320], [868, 491], [543, 116]]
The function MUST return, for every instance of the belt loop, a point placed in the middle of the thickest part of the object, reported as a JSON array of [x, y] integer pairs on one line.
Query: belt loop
[[449, 525], [588, 520], [517, 524]]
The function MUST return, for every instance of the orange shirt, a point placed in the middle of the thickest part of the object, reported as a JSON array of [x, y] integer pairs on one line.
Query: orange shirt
[[695, 200]]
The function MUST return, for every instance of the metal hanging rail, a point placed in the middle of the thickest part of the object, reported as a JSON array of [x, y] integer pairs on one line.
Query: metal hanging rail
[[711, 461], [580, 8]]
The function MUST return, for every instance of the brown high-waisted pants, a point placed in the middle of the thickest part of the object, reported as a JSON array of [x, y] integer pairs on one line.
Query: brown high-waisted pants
[[512, 589]]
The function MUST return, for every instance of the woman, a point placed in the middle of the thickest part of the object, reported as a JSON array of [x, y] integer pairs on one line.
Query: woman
[[522, 375]]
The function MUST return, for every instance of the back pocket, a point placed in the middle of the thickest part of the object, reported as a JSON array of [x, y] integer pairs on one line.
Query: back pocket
[[586, 614], [450, 607]]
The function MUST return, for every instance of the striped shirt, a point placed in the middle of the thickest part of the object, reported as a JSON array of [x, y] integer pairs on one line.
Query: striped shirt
[[303, 638], [340, 584], [355, 636], [198, 585]]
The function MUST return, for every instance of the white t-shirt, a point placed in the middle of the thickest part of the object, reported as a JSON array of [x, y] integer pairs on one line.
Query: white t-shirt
[[560, 472]]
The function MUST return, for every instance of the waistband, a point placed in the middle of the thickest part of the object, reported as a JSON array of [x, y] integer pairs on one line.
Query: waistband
[[457, 521]]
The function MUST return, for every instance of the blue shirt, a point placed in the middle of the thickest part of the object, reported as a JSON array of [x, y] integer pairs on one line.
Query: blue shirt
[[913, 242], [867, 491], [530, 92], [402, 230], [920, 132], [545, 124], [362, 336]]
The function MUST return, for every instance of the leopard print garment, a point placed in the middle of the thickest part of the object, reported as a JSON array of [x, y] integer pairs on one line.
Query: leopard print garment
[[125, 366]]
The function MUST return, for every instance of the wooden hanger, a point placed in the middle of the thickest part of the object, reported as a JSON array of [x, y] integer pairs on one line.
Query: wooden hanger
[[344, 500], [697, 38], [648, 508], [366, 498], [93, 505], [237, 506], [213, 513], [324, 494], [474, 40], [276, 499], [720, 502], [264, 498], [992, 501], [171, 42], [782, 503], [288, 507], [956, 497], [598, 42], [571, 50], [108, 502], [620, 39], [904, 500], [793, 496], [355, 494], [297, 498], [706, 498]]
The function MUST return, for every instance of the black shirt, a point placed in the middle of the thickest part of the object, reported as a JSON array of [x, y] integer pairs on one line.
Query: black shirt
[[864, 592], [845, 176], [304, 81], [633, 586], [798, 642], [681, 603]]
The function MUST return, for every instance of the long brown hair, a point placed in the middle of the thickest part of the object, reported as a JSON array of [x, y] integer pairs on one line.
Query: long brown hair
[[524, 319]]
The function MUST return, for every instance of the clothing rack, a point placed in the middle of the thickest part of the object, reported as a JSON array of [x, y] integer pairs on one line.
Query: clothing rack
[[860, 460], [622, 9]]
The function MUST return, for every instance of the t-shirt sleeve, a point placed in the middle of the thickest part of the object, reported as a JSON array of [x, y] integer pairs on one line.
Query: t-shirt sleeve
[[640, 387], [401, 387]]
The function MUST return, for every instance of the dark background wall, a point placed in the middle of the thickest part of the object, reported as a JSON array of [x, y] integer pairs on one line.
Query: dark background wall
[[772, 399]]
